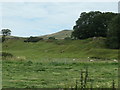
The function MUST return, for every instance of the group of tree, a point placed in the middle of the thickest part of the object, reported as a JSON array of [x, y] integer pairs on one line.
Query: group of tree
[[5, 32], [51, 38], [33, 39], [98, 24]]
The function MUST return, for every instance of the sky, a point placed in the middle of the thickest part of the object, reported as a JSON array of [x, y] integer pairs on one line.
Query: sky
[[40, 18]]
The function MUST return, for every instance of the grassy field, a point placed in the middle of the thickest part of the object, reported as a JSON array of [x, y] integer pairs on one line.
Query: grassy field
[[57, 73], [57, 64]]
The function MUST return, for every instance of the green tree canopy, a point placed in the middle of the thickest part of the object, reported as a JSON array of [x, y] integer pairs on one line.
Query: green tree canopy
[[6, 32], [92, 24], [113, 37]]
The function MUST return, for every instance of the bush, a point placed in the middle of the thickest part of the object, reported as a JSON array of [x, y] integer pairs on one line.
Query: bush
[[51, 38], [33, 39], [6, 54]]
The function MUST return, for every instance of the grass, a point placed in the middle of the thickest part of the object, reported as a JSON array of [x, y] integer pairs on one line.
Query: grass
[[58, 64], [60, 49], [56, 73]]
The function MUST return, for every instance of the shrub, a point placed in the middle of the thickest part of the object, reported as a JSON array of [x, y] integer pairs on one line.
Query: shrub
[[51, 38], [6, 54], [33, 39]]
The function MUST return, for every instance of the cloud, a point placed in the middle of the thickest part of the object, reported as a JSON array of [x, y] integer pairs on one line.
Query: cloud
[[29, 19]]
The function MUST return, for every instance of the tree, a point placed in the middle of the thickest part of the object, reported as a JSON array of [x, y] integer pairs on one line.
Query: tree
[[51, 38], [113, 37], [92, 24], [33, 39], [5, 32], [83, 26]]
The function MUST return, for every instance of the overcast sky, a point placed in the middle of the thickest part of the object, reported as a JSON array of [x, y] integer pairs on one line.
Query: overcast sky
[[40, 18]]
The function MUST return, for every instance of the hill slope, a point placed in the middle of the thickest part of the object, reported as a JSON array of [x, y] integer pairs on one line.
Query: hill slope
[[59, 35], [60, 49]]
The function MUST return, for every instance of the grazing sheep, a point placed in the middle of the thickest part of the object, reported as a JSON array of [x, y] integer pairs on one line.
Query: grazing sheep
[[88, 57], [73, 59], [115, 60], [18, 57], [91, 60], [23, 58], [94, 38]]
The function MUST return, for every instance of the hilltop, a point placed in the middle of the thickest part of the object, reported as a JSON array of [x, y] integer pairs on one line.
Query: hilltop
[[59, 35]]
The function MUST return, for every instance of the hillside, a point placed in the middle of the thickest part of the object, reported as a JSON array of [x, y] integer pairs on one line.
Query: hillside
[[59, 35], [60, 49]]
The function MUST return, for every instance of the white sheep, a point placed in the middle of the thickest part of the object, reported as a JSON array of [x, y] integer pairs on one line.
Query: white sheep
[[115, 60], [91, 60], [18, 57], [73, 59], [21, 58]]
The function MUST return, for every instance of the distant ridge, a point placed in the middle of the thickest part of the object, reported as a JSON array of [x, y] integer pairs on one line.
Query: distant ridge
[[59, 35]]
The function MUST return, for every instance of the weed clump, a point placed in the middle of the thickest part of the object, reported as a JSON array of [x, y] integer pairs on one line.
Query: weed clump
[[6, 54]]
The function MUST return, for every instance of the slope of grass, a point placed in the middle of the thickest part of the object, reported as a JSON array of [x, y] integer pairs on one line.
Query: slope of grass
[[60, 49]]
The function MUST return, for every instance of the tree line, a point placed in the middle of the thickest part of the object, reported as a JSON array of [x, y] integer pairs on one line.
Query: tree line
[[98, 24]]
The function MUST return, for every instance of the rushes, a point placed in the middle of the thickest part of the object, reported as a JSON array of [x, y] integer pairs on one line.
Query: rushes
[[87, 83], [76, 85], [84, 78], [81, 79], [113, 85]]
